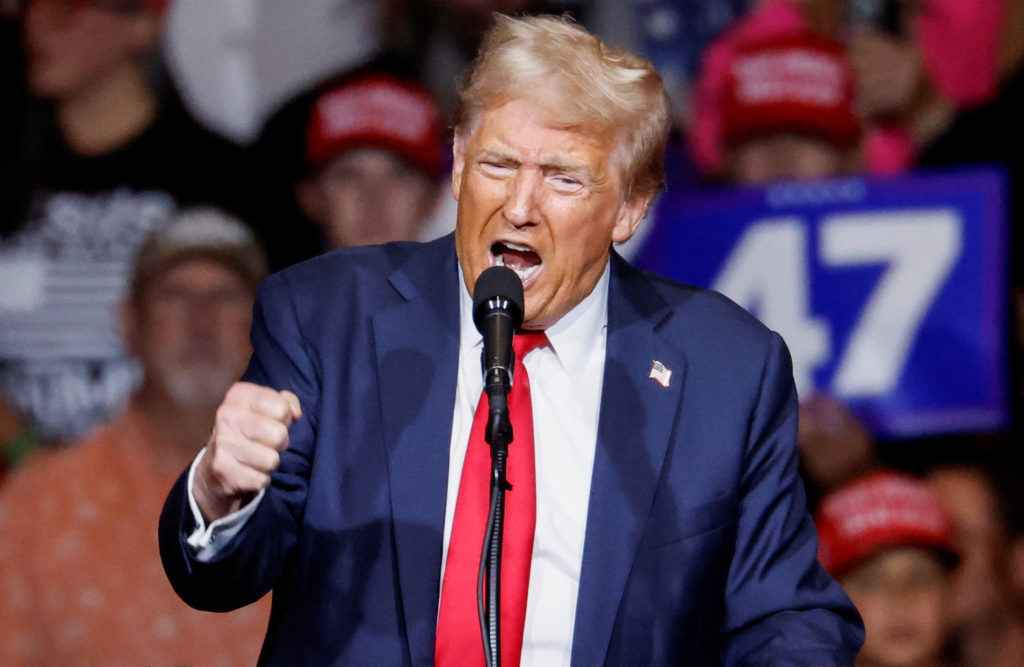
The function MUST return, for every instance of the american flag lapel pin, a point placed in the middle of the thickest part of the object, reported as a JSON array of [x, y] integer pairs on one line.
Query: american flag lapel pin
[[659, 373]]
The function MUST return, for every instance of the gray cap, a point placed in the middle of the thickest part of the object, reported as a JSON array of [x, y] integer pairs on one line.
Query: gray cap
[[202, 232]]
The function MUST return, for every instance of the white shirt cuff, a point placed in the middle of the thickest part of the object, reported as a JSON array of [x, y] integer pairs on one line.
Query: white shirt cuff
[[208, 541]]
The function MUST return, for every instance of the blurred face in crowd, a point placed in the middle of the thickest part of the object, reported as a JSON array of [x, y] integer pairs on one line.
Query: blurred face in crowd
[[900, 594], [543, 199], [889, 65], [979, 592], [834, 446], [190, 331], [369, 195], [72, 46], [785, 157]]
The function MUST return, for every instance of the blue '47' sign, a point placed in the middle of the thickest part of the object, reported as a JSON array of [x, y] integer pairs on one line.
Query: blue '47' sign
[[890, 293]]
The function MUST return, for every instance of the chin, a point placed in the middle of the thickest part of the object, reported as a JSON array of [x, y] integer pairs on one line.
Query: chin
[[198, 389]]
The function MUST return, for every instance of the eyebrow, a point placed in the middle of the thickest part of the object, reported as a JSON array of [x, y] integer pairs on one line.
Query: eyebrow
[[488, 155], [547, 163]]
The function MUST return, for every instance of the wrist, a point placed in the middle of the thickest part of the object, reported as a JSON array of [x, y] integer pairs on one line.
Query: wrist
[[213, 505]]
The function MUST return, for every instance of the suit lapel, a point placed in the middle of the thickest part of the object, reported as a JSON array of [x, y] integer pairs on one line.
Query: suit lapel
[[416, 344], [635, 427]]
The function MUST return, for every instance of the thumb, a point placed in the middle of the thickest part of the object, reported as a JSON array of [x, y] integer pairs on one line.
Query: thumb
[[294, 406]]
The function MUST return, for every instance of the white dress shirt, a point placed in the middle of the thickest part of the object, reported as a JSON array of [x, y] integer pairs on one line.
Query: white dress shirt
[[565, 387]]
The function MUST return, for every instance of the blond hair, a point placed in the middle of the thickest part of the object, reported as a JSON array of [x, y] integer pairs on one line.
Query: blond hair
[[599, 85]]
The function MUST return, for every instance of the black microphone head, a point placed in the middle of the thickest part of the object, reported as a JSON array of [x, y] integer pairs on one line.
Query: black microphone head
[[498, 283]]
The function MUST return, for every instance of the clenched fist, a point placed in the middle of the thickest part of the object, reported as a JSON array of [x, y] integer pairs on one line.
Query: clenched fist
[[249, 434]]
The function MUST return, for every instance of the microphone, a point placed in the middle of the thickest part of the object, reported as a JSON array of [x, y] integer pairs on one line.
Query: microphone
[[497, 312]]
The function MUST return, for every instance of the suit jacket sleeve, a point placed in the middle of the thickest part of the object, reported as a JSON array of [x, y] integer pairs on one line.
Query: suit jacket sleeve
[[250, 566], [781, 607]]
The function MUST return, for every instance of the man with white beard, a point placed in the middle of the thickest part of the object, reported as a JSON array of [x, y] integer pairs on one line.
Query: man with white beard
[[80, 575], [186, 319]]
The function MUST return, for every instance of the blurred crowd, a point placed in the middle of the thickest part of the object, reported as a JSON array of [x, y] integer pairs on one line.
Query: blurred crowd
[[159, 157]]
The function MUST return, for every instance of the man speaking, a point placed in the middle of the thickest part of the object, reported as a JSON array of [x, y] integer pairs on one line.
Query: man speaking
[[655, 514]]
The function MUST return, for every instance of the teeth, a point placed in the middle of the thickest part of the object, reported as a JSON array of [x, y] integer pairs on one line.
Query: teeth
[[498, 259], [523, 274]]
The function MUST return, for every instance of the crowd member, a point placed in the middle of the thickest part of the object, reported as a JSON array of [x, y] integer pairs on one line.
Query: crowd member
[[834, 446], [918, 63], [80, 576], [354, 160], [109, 160], [889, 542], [663, 521], [767, 20], [987, 604], [789, 111], [373, 160]]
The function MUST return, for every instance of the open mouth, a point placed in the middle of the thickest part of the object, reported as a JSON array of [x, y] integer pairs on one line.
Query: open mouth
[[522, 259]]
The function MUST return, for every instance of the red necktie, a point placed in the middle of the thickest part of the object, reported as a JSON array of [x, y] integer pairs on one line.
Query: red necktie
[[458, 626]]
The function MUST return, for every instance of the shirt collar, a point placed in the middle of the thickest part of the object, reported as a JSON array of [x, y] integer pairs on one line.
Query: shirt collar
[[572, 337]]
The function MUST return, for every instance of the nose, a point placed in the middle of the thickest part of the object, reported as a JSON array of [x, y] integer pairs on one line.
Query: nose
[[522, 202], [204, 320]]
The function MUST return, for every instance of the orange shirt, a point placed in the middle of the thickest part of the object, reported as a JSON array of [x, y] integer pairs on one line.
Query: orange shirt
[[81, 581]]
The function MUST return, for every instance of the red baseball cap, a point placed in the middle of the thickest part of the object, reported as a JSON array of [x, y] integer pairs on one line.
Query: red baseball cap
[[876, 513], [798, 83], [377, 110]]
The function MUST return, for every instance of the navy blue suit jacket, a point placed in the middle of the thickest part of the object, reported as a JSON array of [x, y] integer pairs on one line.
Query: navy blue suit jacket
[[698, 550]]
